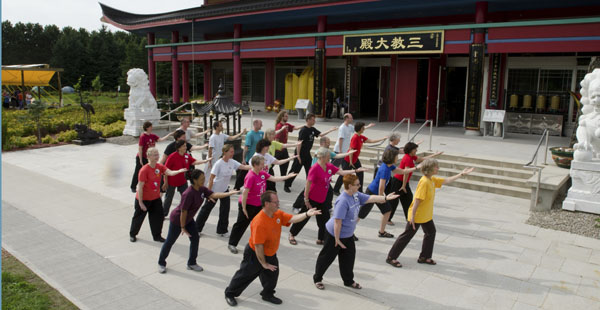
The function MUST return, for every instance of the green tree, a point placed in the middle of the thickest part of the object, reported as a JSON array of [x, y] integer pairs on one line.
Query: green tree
[[36, 113], [97, 86]]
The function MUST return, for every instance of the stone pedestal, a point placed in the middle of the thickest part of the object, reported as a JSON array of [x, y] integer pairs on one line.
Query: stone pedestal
[[135, 119], [584, 194]]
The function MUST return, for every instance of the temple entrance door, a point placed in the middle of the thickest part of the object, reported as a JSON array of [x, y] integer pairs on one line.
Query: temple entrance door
[[456, 84], [369, 92], [384, 92]]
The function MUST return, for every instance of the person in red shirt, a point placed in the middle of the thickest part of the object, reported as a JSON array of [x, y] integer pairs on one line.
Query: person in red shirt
[[282, 128], [178, 160], [260, 255], [351, 162], [147, 140], [147, 198]]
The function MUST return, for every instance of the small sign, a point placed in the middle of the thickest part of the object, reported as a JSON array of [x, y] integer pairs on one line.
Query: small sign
[[496, 116], [302, 103], [395, 43]]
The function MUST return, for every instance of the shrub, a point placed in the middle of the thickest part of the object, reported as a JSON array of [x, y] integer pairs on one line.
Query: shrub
[[67, 136]]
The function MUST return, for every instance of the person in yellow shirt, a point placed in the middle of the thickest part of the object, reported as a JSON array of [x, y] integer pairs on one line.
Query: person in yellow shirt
[[420, 213]]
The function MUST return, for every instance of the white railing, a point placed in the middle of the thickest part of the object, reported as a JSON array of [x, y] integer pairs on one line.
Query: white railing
[[407, 120], [533, 165], [167, 115], [430, 122]]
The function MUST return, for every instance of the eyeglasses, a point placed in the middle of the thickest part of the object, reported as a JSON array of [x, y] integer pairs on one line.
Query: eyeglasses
[[275, 202], [357, 184]]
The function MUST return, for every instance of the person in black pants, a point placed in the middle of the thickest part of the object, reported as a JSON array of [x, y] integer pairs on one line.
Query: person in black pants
[[147, 199], [307, 136]]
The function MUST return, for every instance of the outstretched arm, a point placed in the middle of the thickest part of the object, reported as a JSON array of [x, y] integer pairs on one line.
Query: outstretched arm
[[216, 196], [342, 155], [323, 134], [352, 171], [171, 173], [230, 138], [376, 140], [283, 161], [282, 178], [199, 147], [453, 178], [166, 137]]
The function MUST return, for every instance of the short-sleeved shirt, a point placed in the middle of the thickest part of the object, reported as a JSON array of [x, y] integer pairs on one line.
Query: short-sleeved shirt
[[266, 230], [388, 147], [346, 208], [356, 143], [191, 200], [383, 173], [252, 139], [275, 146], [188, 133], [223, 171], [177, 161], [216, 142], [315, 158], [172, 148], [257, 184], [151, 178], [320, 181], [283, 135], [345, 132], [307, 135], [147, 141], [406, 162], [426, 193]]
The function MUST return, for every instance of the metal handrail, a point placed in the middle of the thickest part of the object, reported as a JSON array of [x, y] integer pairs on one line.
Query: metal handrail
[[176, 109], [407, 119], [430, 121], [537, 168]]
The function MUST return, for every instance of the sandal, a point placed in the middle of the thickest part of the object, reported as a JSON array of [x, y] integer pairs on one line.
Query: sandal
[[428, 261], [394, 262], [354, 285], [320, 242], [319, 285], [391, 223], [293, 241], [385, 234]]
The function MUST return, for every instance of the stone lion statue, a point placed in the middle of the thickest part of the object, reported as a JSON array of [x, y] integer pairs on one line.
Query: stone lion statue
[[139, 92], [588, 132]]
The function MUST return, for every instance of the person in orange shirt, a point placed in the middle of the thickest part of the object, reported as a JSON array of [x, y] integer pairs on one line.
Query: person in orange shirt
[[260, 255]]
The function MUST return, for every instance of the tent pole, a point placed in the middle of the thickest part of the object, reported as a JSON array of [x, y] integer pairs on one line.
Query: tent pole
[[22, 90], [59, 90]]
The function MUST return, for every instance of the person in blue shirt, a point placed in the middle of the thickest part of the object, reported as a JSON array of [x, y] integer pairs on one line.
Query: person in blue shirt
[[252, 138], [377, 186]]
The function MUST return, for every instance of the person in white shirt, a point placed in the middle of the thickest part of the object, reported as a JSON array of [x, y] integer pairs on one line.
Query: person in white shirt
[[262, 150], [185, 124], [218, 182], [216, 142]]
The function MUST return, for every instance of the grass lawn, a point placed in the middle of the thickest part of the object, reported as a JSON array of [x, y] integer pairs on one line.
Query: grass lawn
[[23, 290]]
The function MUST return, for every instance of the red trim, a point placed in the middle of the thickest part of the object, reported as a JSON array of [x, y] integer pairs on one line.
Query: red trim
[[544, 47], [456, 49], [204, 47], [279, 54], [335, 40], [457, 35], [554, 31], [278, 43], [334, 52], [209, 56], [544, 13]]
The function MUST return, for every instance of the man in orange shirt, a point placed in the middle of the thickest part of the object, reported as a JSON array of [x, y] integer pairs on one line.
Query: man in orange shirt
[[260, 255]]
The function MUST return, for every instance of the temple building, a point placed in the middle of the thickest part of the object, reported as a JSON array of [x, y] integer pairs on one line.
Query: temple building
[[440, 60]]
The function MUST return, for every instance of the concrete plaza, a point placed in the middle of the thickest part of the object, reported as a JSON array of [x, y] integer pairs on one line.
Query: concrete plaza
[[66, 213]]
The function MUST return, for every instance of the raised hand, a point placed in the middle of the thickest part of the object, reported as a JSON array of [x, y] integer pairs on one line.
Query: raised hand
[[467, 171], [361, 169], [392, 196], [313, 212]]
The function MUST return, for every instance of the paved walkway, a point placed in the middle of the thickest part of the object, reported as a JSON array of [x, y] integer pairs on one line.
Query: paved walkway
[[67, 209]]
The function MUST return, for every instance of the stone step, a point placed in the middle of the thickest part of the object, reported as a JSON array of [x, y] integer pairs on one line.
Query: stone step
[[479, 161], [499, 189], [486, 169], [485, 177]]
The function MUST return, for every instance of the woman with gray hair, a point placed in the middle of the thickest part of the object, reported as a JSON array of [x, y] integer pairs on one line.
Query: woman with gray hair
[[315, 192]]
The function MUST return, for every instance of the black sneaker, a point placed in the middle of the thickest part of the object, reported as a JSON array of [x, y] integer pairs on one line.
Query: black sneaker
[[132, 239], [160, 239], [273, 300], [287, 189], [231, 301], [337, 193], [355, 237]]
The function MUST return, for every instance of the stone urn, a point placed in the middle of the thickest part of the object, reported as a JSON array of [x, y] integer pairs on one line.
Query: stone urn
[[562, 156]]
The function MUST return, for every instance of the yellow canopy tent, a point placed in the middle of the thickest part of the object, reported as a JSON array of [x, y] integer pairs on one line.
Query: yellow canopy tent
[[30, 75]]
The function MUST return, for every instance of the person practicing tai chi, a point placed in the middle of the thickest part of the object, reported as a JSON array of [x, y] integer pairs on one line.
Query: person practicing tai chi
[[216, 142], [146, 141], [172, 148], [178, 160], [260, 255], [249, 202], [275, 148], [181, 221], [219, 183], [307, 136], [147, 198], [315, 193], [262, 150], [283, 128], [252, 138], [420, 214], [340, 229], [378, 185]]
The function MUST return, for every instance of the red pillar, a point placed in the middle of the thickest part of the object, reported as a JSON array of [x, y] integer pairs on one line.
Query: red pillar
[[185, 78], [481, 9], [321, 92], [269, 73], [175, 67], [237, 66], [151, 65], [207, 80]]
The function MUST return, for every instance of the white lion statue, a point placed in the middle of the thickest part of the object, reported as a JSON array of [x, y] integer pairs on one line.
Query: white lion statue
[[588, 132], [139, 93]]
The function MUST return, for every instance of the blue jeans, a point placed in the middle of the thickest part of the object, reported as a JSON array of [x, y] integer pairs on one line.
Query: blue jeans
[[174, 232]]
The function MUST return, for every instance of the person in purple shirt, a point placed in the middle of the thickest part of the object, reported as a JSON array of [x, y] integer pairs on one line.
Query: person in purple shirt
[[340, 229], [182, 220]]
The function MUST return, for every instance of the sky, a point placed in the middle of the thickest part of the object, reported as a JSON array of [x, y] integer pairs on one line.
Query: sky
[[83, 13]]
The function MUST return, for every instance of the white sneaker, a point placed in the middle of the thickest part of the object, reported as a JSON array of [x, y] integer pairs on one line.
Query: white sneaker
[[195, 268], [162, 269], [225, 235], [296, 210]]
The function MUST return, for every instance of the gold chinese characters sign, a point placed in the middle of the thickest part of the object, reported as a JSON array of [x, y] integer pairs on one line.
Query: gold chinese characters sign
[[395, 43]]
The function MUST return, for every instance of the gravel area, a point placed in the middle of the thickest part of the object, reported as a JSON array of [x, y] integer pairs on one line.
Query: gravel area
[[123, 140], [580, 223]]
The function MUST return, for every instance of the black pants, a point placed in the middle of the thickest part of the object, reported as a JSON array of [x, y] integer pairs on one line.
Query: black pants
[[138, 166], [345, 259], [250, 268], [169, 196], [405, 198], [403, 240], [155, 218], [283, 154], [271, 185], [223, 214], [366, 208], [346, 166], [239, 179], [321, 218], [239, 228], [297, 166], [172, 235]]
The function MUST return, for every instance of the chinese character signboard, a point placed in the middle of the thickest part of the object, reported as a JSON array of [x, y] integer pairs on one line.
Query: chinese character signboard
[[474, 84], [495, 80], [395, 43]]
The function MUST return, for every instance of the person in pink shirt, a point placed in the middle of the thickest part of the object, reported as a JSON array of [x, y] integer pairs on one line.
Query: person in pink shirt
[[249, 204], [315, 192]]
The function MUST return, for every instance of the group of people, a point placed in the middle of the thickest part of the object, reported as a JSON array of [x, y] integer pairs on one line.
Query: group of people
[[258, 204], [16, 99]]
